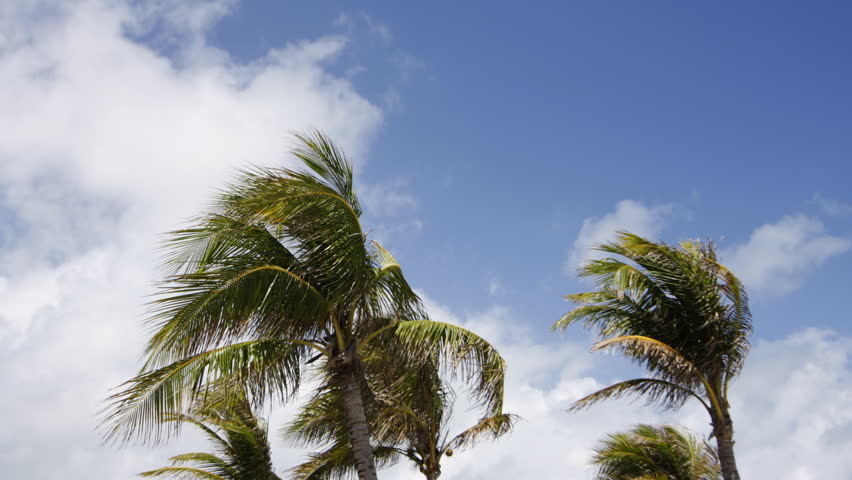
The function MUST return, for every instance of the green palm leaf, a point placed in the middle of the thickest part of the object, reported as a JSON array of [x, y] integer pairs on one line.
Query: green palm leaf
[[678, 312], [651, 452], [466, 355], [181, 473], [240, 439], [280, 269], [266, 367]]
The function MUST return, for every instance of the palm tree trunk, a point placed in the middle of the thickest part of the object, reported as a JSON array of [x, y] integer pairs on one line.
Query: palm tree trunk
[[356, 419], [432, 476], [725, 445]]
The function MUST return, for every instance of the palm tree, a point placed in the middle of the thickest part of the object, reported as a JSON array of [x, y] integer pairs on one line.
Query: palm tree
[[277, 274], [239, 436], [678, 312], [409, 413], [655, 453]]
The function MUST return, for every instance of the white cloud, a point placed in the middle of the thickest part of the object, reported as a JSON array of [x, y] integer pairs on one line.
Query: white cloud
[[373, 27], [793, 408], [377, 29], [778, 255], [629, 215], [496, 288], [832, 207], [387, 199], [104, 143], [390, 211]]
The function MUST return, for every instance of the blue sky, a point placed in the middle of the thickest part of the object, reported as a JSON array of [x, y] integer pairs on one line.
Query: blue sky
[[494, 144], [514, 125]]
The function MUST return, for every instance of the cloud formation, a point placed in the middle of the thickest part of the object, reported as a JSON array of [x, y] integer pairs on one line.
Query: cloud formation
[[106, 141], [631, 215], [778, 256], [830, 206]]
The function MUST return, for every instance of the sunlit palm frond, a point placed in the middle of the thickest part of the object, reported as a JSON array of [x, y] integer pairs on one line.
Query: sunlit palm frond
[[666, 394], [205, 309], [658, 357], [215, 241], [205, 461], [265, 367], [677, 311], [318, 224], [391, 297], [679, 296], [487, 427], [323, 157], [655, 452], [182, 473], [465, 355], [239, 438]]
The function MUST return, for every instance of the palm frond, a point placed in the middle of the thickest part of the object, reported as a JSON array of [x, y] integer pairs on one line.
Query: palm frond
[[390, 294], [680, 297], [337, 463], [321, 226], [329, 162], [666, 394], [655, 452], [464, 353], [487, 427], [226, 416], [181, 473], [204, 309], [320, 421], [657, 357], [203, 460], [266, 367], [217, 240]]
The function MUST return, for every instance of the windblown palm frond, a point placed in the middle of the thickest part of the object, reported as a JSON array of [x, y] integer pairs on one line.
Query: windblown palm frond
[[266, 367], [680, 296], [277, 274], [237, 435], [678, 312], [460, 353], [487, 427], [659, 392], [655, 452]]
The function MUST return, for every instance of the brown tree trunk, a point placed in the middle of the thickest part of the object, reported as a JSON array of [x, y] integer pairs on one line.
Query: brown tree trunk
[[725, 445], [356, 419]]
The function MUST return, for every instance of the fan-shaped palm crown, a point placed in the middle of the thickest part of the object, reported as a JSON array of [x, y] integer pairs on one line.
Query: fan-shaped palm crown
[[655, 453], [678, 312], [278, 271]]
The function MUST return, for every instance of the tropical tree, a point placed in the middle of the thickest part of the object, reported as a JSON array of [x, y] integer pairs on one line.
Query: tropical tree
[[409, 414], [650, 452], [237, 434], [678, 312], [277, 274]]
